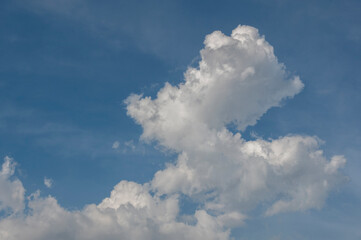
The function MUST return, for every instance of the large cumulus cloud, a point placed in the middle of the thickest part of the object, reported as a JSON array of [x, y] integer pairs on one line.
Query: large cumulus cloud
[[238, 79]]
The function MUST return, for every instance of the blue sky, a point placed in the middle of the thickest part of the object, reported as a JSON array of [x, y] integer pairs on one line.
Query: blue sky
[[67, 67]]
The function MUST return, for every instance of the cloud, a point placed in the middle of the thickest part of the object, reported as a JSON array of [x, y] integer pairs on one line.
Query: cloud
[[115, 145], [11, 190], [127, 147], [238, 80], [48, 182], [130, 144], [130, 212]]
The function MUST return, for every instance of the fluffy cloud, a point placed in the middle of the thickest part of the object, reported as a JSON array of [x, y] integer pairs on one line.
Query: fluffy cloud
[[11, 190], [130, 212], [289, 173], [238, 80]]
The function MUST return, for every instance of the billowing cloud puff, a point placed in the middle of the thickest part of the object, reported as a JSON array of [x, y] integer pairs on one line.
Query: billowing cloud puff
[[130, 213], [238, 80], [289, 173]]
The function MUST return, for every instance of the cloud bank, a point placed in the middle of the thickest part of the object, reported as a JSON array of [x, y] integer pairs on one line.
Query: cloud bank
[[238, 79]]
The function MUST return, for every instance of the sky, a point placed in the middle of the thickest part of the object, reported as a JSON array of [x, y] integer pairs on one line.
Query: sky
[[180, 119]]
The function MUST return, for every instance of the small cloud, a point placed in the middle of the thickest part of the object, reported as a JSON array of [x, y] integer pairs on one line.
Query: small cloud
[[124, 147], [48, 182], [128, 147], [115, 145], [130, 144]]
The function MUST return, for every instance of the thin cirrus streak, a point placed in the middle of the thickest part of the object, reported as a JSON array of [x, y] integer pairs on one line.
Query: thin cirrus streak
[[238, 79]]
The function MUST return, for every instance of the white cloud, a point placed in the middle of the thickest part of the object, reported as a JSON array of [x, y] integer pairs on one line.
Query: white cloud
[[289, 173], [115, 145], [130, 212], [11, 189], [48, 182], [237, 81]]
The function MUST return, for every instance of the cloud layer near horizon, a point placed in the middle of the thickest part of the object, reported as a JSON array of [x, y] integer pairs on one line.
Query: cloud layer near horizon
[[238, 80]]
